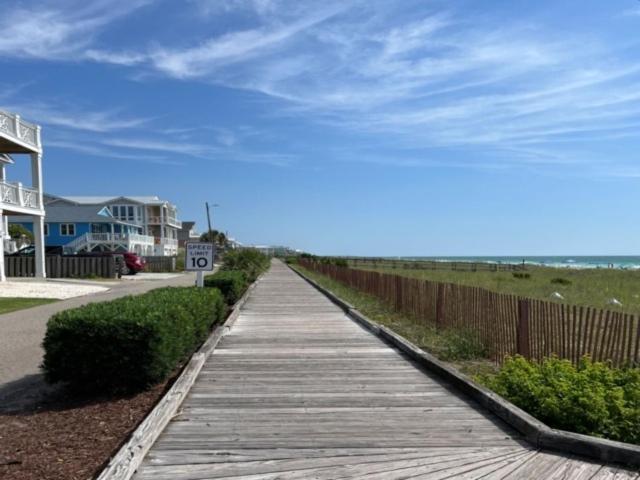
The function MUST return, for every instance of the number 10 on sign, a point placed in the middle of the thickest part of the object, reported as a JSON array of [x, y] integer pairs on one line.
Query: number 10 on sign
[[199, 258]]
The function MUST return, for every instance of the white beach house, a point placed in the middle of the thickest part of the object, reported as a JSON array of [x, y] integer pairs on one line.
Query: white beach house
[[18, 138]]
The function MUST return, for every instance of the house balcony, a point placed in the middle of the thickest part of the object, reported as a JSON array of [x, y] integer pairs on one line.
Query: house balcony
[[18, 136], [166, 247], [171, 221], [16, 198]]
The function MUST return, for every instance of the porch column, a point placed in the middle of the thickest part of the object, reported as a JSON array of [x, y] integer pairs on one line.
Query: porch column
[[162, 230], [38, 221], [2, 234]]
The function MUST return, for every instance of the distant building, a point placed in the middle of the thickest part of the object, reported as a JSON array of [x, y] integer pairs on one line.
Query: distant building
[[187, 233], [20, 137], [145, 225]]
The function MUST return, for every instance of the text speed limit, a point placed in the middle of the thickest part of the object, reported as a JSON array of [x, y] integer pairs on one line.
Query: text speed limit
[[199, 256]]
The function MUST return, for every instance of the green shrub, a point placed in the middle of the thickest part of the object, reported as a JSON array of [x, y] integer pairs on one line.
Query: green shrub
[[521, 275], [248, 260], [340, 262], [130, 343], [231, 283], [593, 398], [462, 344], [561, 281]]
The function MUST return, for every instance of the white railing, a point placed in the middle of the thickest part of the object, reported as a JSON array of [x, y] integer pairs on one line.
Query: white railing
[[127, 239], [16, 194], [170, 242], [12, 125], [156, 220]]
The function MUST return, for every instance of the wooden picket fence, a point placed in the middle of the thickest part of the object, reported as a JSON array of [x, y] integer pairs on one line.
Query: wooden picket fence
[[57, 266], [462, 266], [506, 324]]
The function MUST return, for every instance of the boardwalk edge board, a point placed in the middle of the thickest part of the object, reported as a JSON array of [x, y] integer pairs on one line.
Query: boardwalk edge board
[[534, 431], [125, 462]]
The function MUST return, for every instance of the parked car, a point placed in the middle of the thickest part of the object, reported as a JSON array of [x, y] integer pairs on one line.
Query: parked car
[[132, 263]]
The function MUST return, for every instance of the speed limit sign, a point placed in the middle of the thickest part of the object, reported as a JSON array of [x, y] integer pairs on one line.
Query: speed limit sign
[[199, 256]]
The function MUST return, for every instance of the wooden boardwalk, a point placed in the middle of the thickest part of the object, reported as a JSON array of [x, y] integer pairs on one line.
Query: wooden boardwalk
[[297, 390]]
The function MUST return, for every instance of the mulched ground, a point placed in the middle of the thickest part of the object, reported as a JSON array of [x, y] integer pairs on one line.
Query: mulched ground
[[64, 437]]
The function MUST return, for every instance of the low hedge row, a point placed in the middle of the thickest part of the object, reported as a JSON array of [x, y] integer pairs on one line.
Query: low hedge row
[[231, 283], [247, 260], [130, 343], [592, 398]]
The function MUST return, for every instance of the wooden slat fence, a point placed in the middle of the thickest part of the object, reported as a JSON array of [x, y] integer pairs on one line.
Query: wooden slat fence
[[63, 267], [160, 264], [506, 324], [462, 266]]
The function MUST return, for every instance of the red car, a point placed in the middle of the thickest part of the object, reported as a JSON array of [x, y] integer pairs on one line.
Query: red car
[[132, 263]]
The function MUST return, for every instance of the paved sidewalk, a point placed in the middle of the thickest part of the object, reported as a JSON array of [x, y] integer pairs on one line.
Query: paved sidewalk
[[21, 332], [297, 390]]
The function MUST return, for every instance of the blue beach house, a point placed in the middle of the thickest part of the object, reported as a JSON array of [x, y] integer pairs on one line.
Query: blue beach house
[[90, 224]]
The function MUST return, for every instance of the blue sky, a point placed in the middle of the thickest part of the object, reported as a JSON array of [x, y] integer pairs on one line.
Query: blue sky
[[348, 127]]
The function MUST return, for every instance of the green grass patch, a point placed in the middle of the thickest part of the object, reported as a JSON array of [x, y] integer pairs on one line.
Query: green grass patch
[[11, 304], [461, 348], [584, 287]]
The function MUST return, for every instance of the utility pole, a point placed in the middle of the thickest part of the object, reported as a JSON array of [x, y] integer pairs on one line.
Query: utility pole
[[209, 221]]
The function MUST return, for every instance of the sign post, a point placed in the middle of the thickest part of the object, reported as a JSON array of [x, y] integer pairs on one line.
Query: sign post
[[199, 258]]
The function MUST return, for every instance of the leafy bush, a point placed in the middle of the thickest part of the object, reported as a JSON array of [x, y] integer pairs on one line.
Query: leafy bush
[[231, 283], [248, 260], [340, 262], [521, 275], [561, 281], [593, 399], [130, 343]]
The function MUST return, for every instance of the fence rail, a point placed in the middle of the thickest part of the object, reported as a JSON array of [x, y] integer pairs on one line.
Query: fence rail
[[463, 266], [506, 324], [64, 267]]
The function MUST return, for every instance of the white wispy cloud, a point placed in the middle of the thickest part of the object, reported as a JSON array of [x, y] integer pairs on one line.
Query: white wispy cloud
[[73, 117], [58, 29], [414, 73]]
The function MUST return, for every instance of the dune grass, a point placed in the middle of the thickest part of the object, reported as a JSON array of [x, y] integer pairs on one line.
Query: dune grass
[[11, 304], [586, 287]]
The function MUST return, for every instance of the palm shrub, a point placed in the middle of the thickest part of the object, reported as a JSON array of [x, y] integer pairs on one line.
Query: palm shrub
[[592, 398], [232, 284], [130, 343]]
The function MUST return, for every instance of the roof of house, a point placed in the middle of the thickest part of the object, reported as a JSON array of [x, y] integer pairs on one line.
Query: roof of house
[[95, 200], [6, 158], [73, 214]]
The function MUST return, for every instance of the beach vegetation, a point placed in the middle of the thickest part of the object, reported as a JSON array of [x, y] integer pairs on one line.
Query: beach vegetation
[[591, 398]]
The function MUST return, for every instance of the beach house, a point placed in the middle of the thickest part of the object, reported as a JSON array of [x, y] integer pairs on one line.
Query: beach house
[[19, 138], [146, 225]]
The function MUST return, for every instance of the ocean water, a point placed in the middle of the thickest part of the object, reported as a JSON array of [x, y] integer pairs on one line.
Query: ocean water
[[621, 262]]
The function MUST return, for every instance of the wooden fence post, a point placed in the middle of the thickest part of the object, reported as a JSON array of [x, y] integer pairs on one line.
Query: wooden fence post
[[522, 332], [440, 305]]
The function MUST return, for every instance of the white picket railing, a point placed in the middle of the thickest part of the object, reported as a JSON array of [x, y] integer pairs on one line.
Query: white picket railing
[[156, 220], [14, 127], [16, 194], [129, 240]]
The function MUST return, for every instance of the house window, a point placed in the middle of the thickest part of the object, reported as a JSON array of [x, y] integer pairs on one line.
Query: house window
[[46, 229], [68, 229]]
